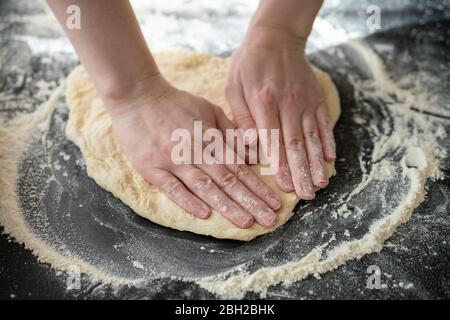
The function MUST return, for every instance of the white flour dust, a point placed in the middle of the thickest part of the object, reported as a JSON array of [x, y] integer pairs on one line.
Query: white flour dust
[[413, 133], [14, 139]]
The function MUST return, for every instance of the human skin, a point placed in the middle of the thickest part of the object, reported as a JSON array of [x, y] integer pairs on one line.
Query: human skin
[[145, 109], [271, 85]]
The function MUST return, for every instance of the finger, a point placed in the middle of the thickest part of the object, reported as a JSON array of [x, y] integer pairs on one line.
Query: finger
[[230, 184], [314, 151], [233, 137], [222, 121], [247, 176], [326, 133], [254, 183], [296, 154], [239, 108], [204, 188], [265, 113], [177, 192]]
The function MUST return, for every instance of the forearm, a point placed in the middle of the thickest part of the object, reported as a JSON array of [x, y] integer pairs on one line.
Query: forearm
[[292, 16], [109, 43]]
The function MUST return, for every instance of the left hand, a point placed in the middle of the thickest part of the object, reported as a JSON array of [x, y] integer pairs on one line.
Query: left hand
[[272, 86]]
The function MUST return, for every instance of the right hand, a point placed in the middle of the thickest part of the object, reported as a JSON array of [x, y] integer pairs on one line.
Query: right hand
[[271, 85], [143, 121]]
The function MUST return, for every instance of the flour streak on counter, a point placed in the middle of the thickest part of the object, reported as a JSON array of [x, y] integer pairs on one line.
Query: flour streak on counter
[[419, 162], [411, 137]]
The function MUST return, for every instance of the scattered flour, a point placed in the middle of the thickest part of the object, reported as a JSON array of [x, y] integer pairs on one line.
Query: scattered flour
[[138, 265], [419, 162]]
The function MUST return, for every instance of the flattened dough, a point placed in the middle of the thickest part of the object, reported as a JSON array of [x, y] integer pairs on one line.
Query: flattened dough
[[89, 127]]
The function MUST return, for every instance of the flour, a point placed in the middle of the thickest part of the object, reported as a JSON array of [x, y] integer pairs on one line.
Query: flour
[[411, 136], [419, 163], [14, 138]]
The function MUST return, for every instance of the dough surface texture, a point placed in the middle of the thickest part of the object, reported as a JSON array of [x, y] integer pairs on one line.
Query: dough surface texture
[[89, 127]]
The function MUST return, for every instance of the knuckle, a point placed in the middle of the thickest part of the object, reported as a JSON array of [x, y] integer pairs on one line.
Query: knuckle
[[261, 188], [228, 180], [294, 143], [266, 94], [172, 187], [284, 172], [249, 201], [202, 183], [242, 116], [219, 199], [302, 170], [294, 109], [240, 169], [292, 94], [312, 134], [326, 121]]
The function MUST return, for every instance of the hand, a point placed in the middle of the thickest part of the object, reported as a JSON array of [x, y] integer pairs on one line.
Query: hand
[[271, 86], [144, 120]]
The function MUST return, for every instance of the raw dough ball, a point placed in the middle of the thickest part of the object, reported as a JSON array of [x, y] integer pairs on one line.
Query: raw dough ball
[[89, 127]]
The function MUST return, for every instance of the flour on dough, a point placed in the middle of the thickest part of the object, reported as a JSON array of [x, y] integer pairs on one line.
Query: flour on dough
[[89, 127]]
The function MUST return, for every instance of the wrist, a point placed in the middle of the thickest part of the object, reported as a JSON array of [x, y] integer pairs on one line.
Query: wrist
[[125, 96], [288, 17], [275, 37]]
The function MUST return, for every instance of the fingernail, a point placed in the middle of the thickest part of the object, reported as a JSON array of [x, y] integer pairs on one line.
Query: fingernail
[[332, 147], [288, 186], [322, 181], [320, 177], [269, 219], [331, 153], [203, 213], [308, 191], [273, 201], [245, 220]]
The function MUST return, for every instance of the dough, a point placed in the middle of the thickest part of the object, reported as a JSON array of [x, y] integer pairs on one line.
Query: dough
[[89, 127]]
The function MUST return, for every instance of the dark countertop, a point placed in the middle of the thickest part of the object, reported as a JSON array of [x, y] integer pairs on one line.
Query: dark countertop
[[419, 28]]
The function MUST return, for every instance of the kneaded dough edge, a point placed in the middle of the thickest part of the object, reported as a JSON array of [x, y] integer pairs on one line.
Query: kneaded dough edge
[[89, 127]]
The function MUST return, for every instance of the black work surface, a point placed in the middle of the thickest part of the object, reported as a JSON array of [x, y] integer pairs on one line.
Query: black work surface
[[426, 262]]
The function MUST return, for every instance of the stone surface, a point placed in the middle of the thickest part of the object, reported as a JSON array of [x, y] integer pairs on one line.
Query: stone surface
[[418, 254]]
